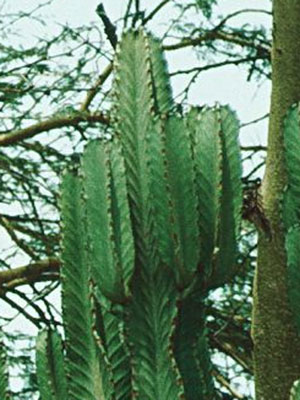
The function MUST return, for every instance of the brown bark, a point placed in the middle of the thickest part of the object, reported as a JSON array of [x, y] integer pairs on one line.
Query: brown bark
[[34, 272], [276, 343], [11, 138]]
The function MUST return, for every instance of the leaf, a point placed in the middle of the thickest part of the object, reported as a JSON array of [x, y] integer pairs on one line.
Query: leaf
[[181, 181], [291, 206], [151, 326], [50, 366], [205, 129], [231, 198], [292, 245], [83, 358], [4, 388]]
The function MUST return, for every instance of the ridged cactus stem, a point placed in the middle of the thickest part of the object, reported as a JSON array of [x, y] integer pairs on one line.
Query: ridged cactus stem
[[150, 223]]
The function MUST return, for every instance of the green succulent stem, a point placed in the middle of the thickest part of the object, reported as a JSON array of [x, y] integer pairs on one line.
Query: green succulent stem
[[150, 221]]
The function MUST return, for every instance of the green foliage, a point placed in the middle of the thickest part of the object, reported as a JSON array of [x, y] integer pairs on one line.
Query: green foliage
[[206, 6], [203, 6]]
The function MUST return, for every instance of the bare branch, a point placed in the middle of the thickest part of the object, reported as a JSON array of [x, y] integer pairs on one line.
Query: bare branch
[[239, 12], [155, 11], [14, 237], [232, 352], [53, 123], [109, 27], [254, 148], [93, 91], [38, 271], [21, 310], [224, 382], [255, 121], [211, 66], [265, 52], [127, 12]]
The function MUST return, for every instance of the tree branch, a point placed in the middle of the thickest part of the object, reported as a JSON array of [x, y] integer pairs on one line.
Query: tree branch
[[21, 310], [93, 91], [254, 148], [224, 382], [255, 121], [109, 27], [239, 12], [231, 351], [265, 52], [155, 11], [19, 242], [52, 123], [38, 271], [211, 66]]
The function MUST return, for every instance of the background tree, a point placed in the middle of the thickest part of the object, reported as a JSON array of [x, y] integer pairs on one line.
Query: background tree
[[54, 74], [277, 343]]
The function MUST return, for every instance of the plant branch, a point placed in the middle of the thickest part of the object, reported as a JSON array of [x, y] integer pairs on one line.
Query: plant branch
[[21, 310], [109, 27], [224, 382], [264, 52], [239, 12], [231, 351], [19, 242], [93, 91], [155, 11], [254, 148], [38, 271], [13, 137], [255, 121], [211, 66]]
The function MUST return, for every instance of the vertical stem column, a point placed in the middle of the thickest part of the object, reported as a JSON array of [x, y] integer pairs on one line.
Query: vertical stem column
[[276, 344]]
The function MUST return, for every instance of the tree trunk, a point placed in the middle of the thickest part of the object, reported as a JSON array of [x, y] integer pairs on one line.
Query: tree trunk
[[276, 344]]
